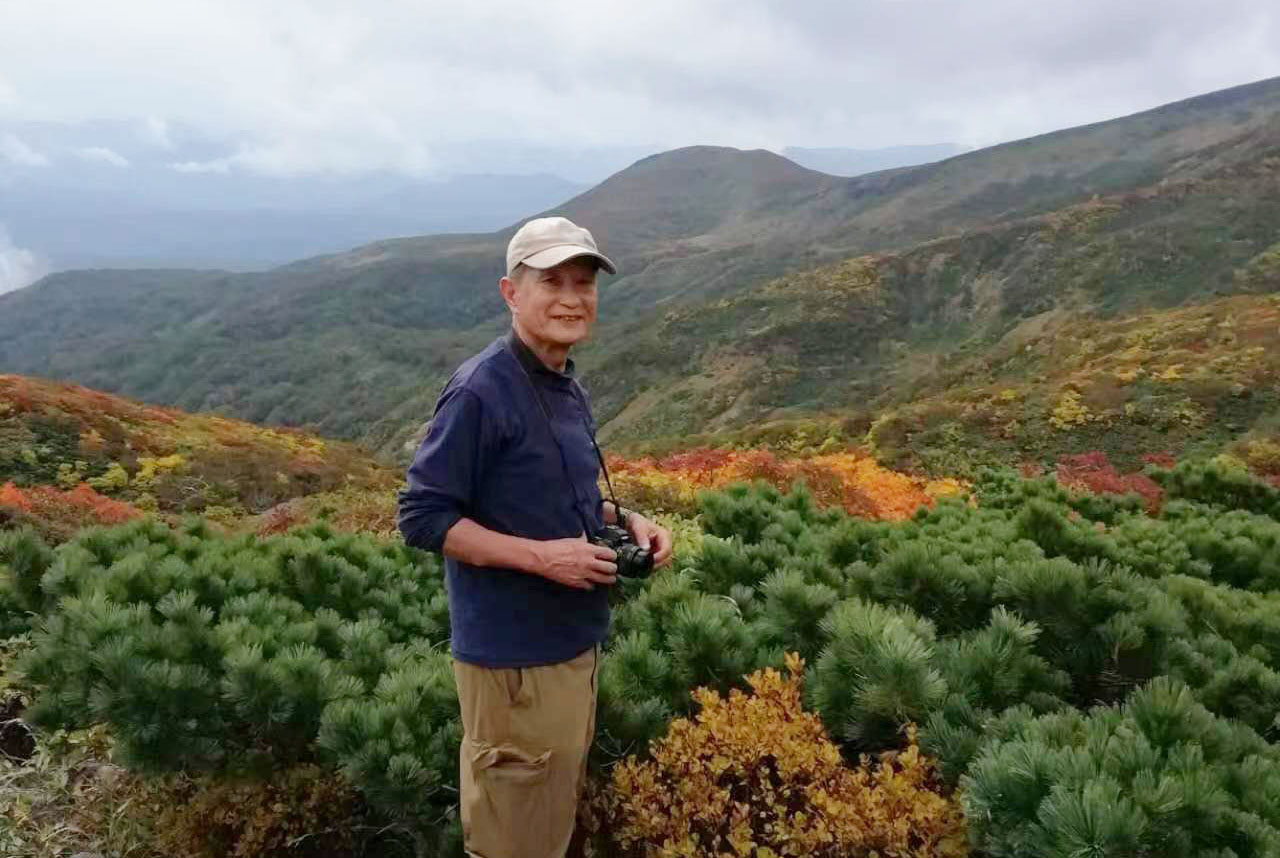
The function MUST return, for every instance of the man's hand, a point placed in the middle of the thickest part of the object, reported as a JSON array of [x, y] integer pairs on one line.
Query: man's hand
[[577, 563], [650, 536]]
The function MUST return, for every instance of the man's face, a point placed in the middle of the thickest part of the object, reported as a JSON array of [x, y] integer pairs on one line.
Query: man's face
[[555, 305]]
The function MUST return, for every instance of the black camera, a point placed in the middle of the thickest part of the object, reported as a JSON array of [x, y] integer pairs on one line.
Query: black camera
[[633, 561]]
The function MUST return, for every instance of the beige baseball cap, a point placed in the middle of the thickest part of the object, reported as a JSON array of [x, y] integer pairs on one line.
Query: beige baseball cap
[[545, 242]]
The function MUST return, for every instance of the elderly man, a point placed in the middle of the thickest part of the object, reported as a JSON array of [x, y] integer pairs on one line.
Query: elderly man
[[505, 486]]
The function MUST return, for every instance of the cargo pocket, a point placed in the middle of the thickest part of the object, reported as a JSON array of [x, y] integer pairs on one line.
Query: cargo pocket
[[509, 811]]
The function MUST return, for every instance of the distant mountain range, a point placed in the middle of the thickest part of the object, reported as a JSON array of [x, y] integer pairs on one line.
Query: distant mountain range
[[152, 218], [750, 286], [105, 194]]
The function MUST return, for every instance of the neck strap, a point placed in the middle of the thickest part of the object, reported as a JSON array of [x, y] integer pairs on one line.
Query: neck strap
[[546, 414]]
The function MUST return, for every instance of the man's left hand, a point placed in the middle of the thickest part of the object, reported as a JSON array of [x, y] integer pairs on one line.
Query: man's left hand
[[651, 537]]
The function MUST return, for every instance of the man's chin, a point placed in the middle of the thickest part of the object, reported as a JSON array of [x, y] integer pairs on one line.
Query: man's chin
[[568, 335]]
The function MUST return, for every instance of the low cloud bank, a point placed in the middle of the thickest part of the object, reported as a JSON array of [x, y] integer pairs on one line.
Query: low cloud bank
[[18, 266]]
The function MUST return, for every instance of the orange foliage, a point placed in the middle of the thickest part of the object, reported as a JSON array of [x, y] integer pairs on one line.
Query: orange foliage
[[58, 514], [11, 495], [754, 774], [852, 480]]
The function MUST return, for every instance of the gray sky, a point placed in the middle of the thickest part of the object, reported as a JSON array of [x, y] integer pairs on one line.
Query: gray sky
[[130, 94], [300, 86]]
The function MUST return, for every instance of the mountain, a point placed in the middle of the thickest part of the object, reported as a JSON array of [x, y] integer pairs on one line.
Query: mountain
[[89, 215], [1073, 300], [854, 162], [356, 344]]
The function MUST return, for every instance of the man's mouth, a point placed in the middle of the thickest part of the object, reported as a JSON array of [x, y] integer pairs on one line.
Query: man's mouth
[[568, 318]]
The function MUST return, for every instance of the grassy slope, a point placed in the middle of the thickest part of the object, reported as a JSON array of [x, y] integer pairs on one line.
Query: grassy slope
[[357, 344]]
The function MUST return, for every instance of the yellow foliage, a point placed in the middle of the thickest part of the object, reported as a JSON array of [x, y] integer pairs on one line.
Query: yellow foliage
[[1069, 411], [114, 479], [1171, 373], [1261, 454], [149, 467], [69, 475], [754, 774]]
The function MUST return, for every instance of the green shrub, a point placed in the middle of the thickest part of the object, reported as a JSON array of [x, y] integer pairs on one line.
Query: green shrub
[[24, 558], [876, 673], [1221, 484], [239, 654], [1159, 776]]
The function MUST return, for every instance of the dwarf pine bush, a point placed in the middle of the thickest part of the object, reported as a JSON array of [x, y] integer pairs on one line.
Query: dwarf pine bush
[[24, 558], [1049, 643], [205, 652], [1220, 484], [1160, 775]]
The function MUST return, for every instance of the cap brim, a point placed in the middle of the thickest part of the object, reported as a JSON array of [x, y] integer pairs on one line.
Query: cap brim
[[553, 256]]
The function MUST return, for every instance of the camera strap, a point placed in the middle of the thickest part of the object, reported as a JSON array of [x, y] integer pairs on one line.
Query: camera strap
[[564, 461]]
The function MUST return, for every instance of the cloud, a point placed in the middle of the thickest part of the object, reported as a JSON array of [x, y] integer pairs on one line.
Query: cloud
[[18, 267], [217, 165], [155, 132], [16, 152], [102, 155], [324, 86]]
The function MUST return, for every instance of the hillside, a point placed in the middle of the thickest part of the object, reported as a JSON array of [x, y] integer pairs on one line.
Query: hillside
[[356, 344], [108, 452], [878, 331]]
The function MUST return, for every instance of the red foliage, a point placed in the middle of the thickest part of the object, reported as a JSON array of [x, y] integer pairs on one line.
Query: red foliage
[[1160, 460], [1093, 472], [104, 509], [59, 514]]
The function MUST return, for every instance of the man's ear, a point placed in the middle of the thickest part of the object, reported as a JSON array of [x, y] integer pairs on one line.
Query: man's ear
[[507, 287]]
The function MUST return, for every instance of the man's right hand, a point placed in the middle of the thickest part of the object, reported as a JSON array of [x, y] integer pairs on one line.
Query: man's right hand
[[577, 563]]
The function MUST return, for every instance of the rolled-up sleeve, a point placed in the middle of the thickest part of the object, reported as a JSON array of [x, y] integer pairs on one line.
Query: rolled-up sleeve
[[441, 482]]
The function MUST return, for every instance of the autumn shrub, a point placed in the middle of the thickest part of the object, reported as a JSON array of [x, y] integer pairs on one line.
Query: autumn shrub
[[350, 509], [850, 480], [305, 811], [1093, 472], [754, 774], [58, 514]]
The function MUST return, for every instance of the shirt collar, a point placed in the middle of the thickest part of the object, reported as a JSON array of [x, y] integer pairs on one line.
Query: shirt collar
[[532, 363]]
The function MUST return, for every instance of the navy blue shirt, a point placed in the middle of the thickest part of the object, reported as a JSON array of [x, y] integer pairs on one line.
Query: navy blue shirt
[[490, 456]]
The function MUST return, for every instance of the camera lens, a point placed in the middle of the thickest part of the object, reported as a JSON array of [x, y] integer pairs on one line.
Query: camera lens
[[634, 561]]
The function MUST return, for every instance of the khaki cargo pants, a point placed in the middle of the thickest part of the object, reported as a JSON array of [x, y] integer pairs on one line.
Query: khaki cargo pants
[[526, 733]]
